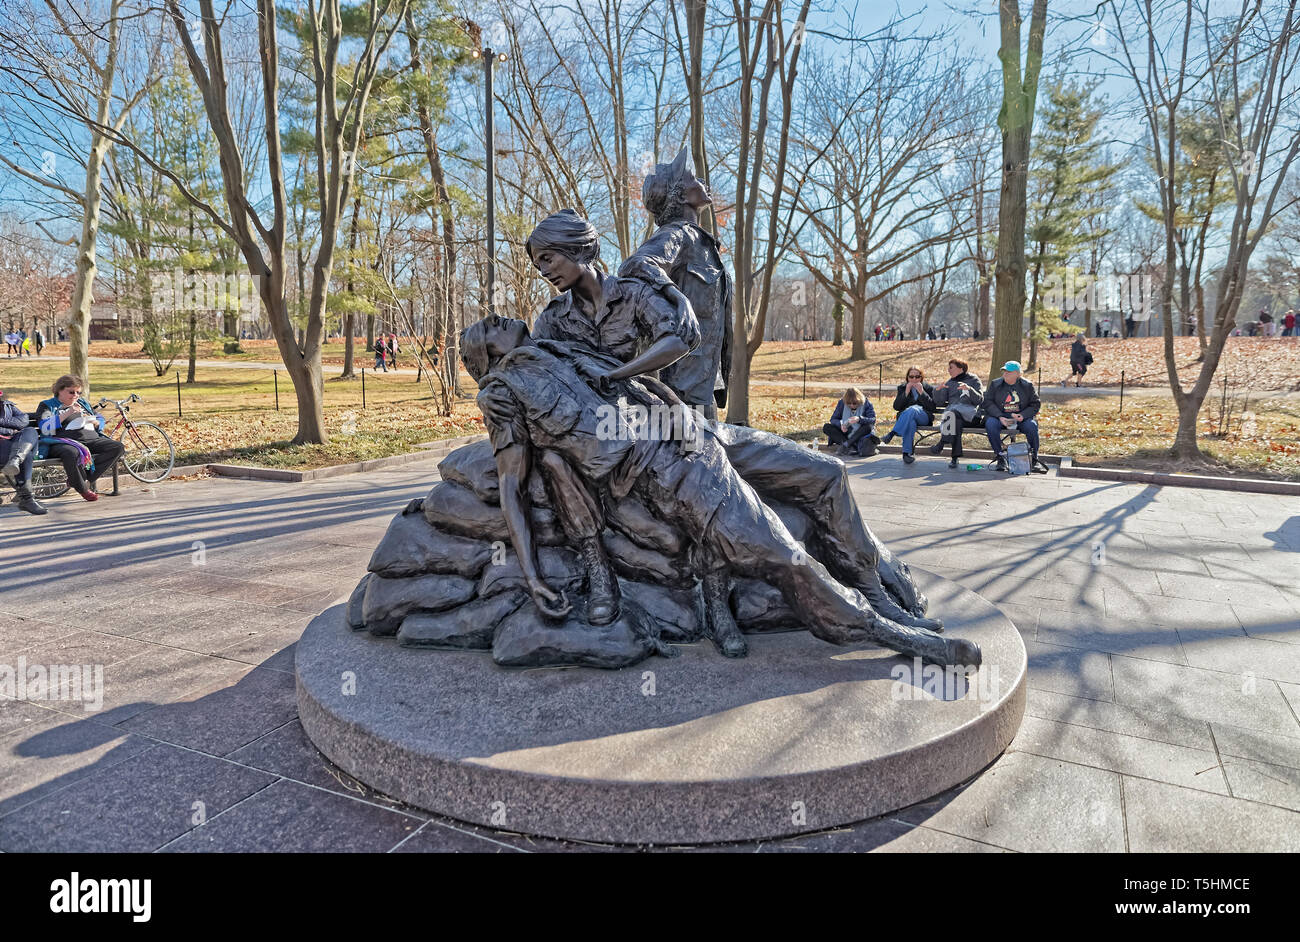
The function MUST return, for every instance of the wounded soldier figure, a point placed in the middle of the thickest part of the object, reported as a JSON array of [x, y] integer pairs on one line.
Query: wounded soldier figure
[[539, 408], [631, 322]]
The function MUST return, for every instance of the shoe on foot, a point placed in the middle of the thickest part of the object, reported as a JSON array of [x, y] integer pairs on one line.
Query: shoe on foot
[[10, 473], [1037, 467], [937, 448], [952, 462], [89, 495], [602, 587], [29, 503], [908, 458], [889, 437], [1001, 464]]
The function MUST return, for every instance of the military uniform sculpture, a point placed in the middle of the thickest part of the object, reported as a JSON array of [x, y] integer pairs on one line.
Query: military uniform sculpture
[[625, 536]]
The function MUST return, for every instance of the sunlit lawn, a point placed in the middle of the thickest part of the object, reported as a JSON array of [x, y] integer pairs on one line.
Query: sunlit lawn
[[230, 416]]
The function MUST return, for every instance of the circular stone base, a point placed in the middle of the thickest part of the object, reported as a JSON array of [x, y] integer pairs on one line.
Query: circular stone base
[[799, 736]]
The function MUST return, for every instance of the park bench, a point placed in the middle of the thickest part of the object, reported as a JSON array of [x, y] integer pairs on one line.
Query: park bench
[[50, 480], [924, 433]]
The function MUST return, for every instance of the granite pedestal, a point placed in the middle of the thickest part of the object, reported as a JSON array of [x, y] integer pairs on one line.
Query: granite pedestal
[[799, 736]]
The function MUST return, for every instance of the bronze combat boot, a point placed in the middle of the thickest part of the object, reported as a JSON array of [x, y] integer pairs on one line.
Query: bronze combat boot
[[602, 586]]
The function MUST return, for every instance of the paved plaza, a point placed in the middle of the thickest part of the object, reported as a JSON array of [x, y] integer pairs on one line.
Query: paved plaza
[[1162, 625]]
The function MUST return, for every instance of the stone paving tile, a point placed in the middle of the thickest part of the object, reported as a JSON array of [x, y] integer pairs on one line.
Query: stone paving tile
[[1258, 781], [22, 718], [145, 614], [1141, 609], [1232, 650], [1246, 592], [18, 632], [233, 624], [882, 835], [1178, 765], [50, 756], [1115, 718], [1267, 624], [222, 718], [79, 647], [289, 817], [1268, 748], [1202, 694], [1079, 630], [1017, 803], [135, 805], [164, 675], [271, 649], [1291, 693], [1075, 672], [1164, 818], [288, 752], [437, 838]]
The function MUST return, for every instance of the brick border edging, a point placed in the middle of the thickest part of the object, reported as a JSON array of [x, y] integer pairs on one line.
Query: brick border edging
[[439, 448], [1161, 478]]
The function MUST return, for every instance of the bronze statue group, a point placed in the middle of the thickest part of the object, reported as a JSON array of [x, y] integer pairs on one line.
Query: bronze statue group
[[713, 500]]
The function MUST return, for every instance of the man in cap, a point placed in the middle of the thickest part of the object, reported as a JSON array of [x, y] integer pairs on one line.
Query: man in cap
[[1012, 402], [684, 262]]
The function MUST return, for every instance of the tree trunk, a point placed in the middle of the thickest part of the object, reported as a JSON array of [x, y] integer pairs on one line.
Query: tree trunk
[[837, 315], [83, 295], [859, 347], [1034, 280], [1009, 314], [350, 317], [194, 345], [1016, 122], [434, 158], [985, 299], [349, 328]]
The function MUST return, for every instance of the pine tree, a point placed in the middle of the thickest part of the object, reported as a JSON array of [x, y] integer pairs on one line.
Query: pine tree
[[1067, 164]]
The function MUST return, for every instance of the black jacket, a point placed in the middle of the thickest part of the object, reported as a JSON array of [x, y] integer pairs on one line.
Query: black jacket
[[926, 400], [12, 419], [948, 394], [1079, 355], [996, 396]]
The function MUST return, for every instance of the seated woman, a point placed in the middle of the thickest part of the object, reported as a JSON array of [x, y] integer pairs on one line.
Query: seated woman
[[959, 398], [852, 425], [72, 432], [915, 406], [17, 448]]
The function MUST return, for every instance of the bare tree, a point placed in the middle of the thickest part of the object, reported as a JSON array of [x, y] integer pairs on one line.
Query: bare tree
[[339, 118], [762, 39], [66, 64], [1242, 67], [881, 190]]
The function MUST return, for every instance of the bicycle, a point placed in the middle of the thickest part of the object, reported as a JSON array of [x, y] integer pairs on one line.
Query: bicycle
[[149, 455]]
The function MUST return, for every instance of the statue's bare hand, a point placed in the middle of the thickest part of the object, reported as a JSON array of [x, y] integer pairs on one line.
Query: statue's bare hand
[[497, 405], [550, 603]]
